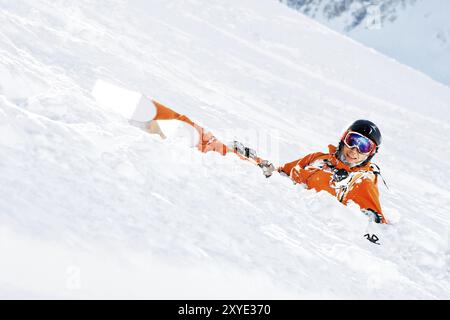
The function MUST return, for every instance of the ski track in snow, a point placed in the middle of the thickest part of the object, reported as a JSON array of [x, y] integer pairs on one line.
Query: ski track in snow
[[92, 207]]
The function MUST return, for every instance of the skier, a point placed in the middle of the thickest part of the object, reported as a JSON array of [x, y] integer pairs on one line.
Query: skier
[[345, 171]]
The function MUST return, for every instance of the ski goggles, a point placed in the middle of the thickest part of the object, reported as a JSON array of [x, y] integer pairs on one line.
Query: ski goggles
[[354, 139]]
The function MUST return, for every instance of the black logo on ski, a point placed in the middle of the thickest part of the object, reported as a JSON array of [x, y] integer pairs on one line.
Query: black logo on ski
[[372, 238]]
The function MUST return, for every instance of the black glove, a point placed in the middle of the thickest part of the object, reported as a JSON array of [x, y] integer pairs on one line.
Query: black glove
[[267, 168]]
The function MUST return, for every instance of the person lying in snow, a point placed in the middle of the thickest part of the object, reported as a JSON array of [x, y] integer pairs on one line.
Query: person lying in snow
[[344, 171]]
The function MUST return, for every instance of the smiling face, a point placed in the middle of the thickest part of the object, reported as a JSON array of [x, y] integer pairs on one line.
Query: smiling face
[[352, 155]]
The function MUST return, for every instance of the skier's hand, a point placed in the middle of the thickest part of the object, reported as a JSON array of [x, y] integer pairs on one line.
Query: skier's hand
[[267, 168], [373, 216]]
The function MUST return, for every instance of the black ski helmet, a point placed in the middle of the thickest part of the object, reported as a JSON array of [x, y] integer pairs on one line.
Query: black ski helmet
[[368, 129]]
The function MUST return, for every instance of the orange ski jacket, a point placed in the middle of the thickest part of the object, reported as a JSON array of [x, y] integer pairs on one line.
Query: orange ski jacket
[[319, 171]]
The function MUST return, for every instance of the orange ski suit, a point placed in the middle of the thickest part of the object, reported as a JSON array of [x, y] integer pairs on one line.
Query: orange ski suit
[[317, 171], [207, 141]]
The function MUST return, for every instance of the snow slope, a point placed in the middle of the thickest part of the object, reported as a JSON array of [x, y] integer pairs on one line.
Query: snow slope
[[91, 207], [415, 32]]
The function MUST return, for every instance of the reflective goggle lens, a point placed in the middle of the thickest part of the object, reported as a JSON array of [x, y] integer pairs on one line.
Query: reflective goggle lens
[[364, 145]]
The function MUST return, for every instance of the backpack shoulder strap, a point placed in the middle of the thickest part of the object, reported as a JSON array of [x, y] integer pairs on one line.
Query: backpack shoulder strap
[[377, 171]]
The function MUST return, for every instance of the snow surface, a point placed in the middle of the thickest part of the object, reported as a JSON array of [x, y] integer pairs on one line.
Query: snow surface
[[415, 32], [92, 207]]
